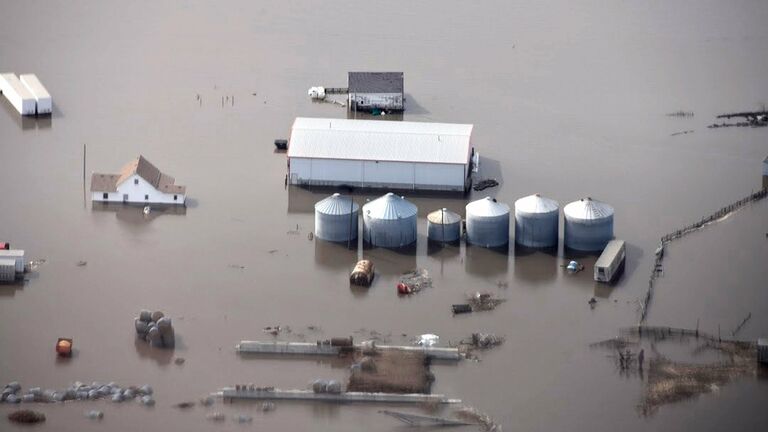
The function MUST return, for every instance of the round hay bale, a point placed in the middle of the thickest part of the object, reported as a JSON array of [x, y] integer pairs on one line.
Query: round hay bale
[[26, 416], [164, 323], [145, 315], [156, 315], [141, 327], [368, 364], [333, 387]]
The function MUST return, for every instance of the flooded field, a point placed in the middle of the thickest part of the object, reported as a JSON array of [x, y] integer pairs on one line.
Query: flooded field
[[566, 100]]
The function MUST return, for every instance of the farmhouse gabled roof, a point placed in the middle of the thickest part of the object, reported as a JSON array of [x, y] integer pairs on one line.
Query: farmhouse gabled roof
[[144, 169]]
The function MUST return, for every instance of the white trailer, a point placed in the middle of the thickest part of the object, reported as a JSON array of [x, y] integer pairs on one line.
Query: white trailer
[[17, 94], [41, 95], [610, 261]]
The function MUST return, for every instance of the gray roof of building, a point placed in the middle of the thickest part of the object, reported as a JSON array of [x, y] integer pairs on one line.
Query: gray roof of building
[[375, 82]]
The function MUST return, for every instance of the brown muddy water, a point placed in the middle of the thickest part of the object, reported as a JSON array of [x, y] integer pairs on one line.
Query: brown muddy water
[[568, 100]]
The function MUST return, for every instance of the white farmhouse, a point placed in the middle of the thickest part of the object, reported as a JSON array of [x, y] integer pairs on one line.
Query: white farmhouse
[[138, 182]]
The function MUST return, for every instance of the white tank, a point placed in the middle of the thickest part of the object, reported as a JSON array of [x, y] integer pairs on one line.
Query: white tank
[[389, 221], [444, 226], [588, 225], [336, 218], [487, 223], [536, 221]]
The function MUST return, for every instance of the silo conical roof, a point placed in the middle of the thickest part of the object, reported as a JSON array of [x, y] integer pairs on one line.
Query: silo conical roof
[[487, 207], [536, 204], [336, 204], [444, 216], [390, 207], [588, 209]]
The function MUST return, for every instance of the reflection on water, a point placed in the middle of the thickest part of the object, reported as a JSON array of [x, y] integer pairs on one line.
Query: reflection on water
[[486, 262], [132, 214], [535, 267], [336, 256]]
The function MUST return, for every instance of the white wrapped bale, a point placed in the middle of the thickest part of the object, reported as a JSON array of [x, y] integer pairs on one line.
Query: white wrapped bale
[[145, 315], [145, 390], [147, 400]]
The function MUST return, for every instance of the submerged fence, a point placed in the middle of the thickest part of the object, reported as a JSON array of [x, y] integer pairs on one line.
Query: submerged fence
[[658, 268]]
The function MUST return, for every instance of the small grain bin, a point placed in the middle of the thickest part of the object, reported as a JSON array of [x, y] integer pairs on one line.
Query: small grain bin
[[389, 221], [444, 226], [487, 223], [588, 225], [536, 221], [336, 218]]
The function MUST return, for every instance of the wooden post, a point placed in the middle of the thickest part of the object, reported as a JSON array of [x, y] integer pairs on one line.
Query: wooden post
[[84, 150]]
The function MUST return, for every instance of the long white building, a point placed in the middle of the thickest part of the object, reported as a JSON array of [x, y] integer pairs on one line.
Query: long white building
[[138, 182], [380, 154]]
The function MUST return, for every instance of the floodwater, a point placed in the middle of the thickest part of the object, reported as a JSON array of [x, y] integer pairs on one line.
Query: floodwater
[[568, 100]]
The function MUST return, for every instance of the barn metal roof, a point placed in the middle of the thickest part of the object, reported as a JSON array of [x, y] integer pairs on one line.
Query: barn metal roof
[[375, 82], [323, 138]]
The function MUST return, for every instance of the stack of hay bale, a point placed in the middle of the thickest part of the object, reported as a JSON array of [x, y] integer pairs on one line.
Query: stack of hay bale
[[155, 328]]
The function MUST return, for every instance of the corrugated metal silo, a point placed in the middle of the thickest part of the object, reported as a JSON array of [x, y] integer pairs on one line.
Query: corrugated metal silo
[[389, 221], [588, 224], [487, 223], [536, 221], [444, 226], [336, 218]]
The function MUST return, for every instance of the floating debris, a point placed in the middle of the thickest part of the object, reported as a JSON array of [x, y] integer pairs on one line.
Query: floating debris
[[680, 113], [94, 415], [414, 281], [427, 340], [179, 361], [242, 418], [184, 405], [483, 301], [82, 263], [681, 133], [207, 401], [26, 416], [216, 416], [476, 416], [64, 347], [268, 406], [486, 340], [461, 308], [485, 184]]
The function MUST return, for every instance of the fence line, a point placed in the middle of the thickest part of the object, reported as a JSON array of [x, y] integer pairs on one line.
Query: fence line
[[658, 268]]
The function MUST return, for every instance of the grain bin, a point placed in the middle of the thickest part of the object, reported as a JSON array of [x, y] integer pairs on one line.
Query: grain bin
[[336, 218], [389, 221], [588, 225], [487, 223], [444, 226], [536, 221]]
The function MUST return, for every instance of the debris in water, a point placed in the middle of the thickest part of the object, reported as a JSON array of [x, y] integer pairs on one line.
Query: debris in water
[[242, 418], [427, 340], [486, 340], [268, 406], [461, 308], [273, 330], [94, 415], [179, 361], [483, 301], [82, 263], [485, 184], [184, 405], [207, 401], [26, 416], [592, 302], [474, 415], [680, 113], [681, 133], [414, 281]]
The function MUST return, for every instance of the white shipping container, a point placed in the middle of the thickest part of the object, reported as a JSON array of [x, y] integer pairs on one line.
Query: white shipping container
[[17, 94], [7, 270], [16, 255], [41, 95]]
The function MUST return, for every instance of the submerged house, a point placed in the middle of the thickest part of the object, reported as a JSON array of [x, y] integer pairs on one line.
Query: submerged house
[[138, 182], [376, 90]]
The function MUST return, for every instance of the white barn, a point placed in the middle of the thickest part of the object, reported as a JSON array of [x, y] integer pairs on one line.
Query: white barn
[[138, 182], [380, 154]]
